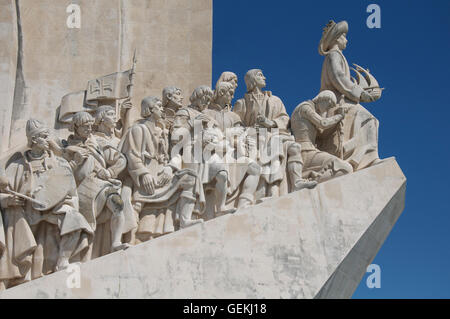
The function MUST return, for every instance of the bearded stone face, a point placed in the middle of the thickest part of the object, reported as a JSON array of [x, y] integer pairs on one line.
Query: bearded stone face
[[177, 98]]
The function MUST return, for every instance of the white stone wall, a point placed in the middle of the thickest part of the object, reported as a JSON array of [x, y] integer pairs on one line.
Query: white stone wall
[[173, 39]]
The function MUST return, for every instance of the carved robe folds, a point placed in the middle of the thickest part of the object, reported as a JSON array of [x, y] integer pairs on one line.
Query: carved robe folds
[[273, 152], [33, 238], [160, 210], [357, 141]]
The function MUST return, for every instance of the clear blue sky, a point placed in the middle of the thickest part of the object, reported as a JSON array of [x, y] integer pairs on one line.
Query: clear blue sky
[[409, 56]]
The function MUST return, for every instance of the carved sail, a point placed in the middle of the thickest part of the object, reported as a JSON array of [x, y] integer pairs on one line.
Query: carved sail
[[367, 81]]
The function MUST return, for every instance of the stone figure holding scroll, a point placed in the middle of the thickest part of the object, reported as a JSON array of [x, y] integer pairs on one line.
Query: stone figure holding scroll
[[357, 140], [308, 121], [163, 192], [45, 231]]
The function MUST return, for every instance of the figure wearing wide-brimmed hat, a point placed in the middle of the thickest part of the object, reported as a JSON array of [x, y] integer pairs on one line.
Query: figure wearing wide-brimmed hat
[[356, 139]]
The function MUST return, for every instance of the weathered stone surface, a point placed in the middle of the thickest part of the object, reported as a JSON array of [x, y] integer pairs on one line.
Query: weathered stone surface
[[45, 60], [310, 243]]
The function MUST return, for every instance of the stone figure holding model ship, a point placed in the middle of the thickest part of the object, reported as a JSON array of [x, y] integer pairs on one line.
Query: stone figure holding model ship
[[356, 141]]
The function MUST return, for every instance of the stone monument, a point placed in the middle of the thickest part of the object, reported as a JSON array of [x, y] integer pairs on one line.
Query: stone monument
[[178, 200]]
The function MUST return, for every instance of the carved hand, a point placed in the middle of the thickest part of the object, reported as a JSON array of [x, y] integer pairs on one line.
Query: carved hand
[[13, 201], [148, 183], [203, 117], [166, 176], [365, 97], [342, 110], [126, 104], [104, 174], [265, 122], [80, 157]]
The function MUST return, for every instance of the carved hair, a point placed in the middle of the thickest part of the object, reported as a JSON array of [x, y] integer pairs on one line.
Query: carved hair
[[226, 76], [81, 118], [170, 90], [101, 112], [222, 87], [200, 92], [325, 95], [147, 105], [249, 79]]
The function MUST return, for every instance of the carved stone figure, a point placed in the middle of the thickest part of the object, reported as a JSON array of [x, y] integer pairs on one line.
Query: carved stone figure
[[163, 192], [262, 110], [105, 134], [114, 183], [244, 172], [46, 231], [96, 167], [172, 101], [230, 77], [212, 172], [357, 140], [309, 120]]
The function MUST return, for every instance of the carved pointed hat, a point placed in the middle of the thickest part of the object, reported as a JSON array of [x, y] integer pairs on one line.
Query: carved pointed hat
[[331, 32], [35, 127]]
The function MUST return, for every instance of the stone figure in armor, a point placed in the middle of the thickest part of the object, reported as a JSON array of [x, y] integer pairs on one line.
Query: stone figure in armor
[[308, 121], [357, 139], [44, 230], [96, 167], [163, 192], [278, 153]]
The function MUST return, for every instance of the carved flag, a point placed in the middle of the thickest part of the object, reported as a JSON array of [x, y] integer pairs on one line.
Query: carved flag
[[70, 104], [109, 87]]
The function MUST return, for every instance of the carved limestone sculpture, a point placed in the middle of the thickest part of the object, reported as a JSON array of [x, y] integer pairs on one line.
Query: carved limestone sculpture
[[309, 120], [115, 183], [267, 114], [163, 192], [357, 139], [46, 232], [244, 172], [96, 168], [212, 171]]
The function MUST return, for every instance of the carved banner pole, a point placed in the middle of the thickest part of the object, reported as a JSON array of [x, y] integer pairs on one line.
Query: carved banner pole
[[126, 105]]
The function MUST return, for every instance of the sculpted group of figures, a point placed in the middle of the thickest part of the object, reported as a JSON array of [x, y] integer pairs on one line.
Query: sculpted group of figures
[[102, 190]]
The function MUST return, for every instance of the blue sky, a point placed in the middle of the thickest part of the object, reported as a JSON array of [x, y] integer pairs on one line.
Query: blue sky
[[409, 55]]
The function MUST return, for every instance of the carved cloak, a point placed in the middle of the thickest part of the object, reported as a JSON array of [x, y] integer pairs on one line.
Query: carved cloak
[[357, 141]]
